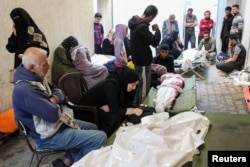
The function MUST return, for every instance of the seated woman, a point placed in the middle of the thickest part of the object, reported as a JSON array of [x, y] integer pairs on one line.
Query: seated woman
[[108, 44], [120, 51], [92, 73], [61, 65], [174, 43], [114, 96]]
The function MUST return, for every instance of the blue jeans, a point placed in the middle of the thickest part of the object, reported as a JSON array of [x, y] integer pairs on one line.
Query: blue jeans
[[110, 65], [78, 142], [98, 49], [189, 37]]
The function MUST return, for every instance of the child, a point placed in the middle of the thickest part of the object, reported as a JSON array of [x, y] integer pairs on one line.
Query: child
[[98, 33], [163, 58]]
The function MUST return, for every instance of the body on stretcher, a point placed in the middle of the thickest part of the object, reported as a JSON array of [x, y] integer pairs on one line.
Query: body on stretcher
[[189, 61]]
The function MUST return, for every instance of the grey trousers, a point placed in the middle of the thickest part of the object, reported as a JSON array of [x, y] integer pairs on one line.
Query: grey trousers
[[143, 87]]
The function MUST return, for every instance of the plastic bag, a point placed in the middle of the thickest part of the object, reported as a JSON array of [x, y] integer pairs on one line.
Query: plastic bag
[[157, 141]]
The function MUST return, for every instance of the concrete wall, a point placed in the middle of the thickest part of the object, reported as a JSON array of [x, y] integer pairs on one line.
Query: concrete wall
[[105, 8], [57, 19], [246, 30]]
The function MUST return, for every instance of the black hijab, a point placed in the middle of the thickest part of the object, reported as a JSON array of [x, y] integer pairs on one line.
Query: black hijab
[[126, 76], [67, 44], [27, 34]]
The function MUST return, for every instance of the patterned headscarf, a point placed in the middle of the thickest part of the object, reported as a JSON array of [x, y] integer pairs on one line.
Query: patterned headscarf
[[68, 43]]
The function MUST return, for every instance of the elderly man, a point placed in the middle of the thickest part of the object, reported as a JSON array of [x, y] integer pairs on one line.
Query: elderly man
[[209, 44], [38, 106], [237, 56], [168, 26]]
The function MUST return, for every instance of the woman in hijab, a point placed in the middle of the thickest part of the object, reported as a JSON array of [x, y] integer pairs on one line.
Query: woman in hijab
[[25, 34], [120, 51], [114, 98], [108, 44], [62, 64], [174, 43], [121, 31], [79, 54]]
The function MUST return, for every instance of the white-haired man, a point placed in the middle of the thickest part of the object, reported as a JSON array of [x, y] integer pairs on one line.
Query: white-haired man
[[38, 107]]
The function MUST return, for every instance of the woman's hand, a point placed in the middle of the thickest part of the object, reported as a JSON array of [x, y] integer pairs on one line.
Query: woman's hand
[[14, 29], [105, 108], [138, 111]]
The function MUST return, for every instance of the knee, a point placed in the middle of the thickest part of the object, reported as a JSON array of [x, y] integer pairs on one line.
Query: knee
[[218, 66], [101, 135]]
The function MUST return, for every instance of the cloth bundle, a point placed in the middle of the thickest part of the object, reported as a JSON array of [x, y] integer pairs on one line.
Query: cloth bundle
[[167, 92], [157, 141]]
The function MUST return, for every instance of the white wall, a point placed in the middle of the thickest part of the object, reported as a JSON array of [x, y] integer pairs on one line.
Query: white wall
[[57, 19], [105, 8], [246, 30], [124, 10]]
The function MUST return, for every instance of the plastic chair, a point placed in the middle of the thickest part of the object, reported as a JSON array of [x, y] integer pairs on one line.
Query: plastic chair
[[74, 86], [39, 153]]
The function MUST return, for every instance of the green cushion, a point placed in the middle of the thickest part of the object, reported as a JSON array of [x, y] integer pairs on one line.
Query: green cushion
[[184, 102], [111, 139], [227, 132]]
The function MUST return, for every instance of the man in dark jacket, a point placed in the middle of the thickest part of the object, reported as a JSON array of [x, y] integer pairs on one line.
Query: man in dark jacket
[[140, 39], [225, 31]]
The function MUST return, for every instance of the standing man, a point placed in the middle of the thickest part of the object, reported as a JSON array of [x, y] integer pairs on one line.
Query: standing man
[[206, 24], [169, 26], [98, 33], [238, 20], [209, 44], [190, 21], [225, 31], [140, 39]]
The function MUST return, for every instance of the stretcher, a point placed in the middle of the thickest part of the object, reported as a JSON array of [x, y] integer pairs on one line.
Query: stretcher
[[184, 102], [195, 65], [246, 92]]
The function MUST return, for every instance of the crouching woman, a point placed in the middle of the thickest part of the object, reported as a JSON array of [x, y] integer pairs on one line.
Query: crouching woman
[[114, 97]]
